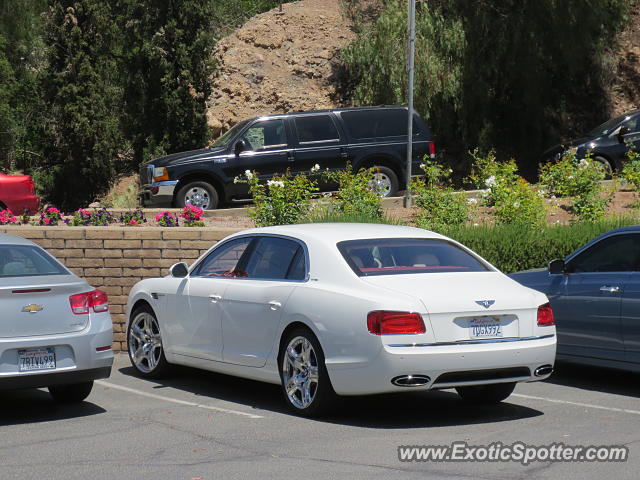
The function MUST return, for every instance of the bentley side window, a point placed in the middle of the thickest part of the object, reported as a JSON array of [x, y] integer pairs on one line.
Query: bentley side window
[[224, 261], [618, 253], [275, 258]]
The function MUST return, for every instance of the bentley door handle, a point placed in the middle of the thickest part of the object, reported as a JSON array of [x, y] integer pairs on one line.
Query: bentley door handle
[[215, 298], [609, 289], [273, 305]]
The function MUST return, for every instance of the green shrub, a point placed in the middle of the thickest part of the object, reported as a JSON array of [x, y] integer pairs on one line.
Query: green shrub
[[283, 200], [329, 216], [513, 199], [512, 248], [356, 195], [438, 204], [579, 179], [631, 170]]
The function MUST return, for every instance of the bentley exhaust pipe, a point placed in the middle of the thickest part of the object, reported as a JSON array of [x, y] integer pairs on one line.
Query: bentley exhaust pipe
[[543, 370], [411, 380]]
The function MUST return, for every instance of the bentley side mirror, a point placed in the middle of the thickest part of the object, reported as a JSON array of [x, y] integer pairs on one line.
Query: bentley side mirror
[[240, 146], [556, 266], [179, 270]]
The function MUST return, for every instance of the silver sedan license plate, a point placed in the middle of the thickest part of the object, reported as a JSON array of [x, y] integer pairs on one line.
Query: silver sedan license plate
[[36, 359], [485, 327]]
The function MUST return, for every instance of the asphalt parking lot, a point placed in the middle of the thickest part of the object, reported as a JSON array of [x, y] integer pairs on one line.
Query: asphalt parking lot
[[200, 425]]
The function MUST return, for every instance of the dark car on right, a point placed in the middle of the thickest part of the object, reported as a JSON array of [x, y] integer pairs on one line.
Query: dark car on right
[[595, 297], [608, 143]]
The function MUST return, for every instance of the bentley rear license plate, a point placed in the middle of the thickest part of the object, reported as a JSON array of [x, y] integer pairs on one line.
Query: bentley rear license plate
[[485, 327], [36, 359]]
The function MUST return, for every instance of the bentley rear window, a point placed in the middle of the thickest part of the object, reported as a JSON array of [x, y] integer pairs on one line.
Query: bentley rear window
[[24, 261], [399, 256]]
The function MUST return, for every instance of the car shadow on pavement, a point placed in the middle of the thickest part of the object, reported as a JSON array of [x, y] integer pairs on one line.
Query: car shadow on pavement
[[597, 379], [36, 406], [393, 411]]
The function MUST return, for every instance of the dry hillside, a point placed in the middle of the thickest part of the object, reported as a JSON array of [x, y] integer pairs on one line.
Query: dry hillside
[[279, 62]]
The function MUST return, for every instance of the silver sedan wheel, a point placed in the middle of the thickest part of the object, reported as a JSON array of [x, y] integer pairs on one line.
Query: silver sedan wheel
[[145, 343], [381, 183], [300, 372], [198, 197]]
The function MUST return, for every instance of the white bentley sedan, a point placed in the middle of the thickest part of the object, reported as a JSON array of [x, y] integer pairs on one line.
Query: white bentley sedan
[[344, 309]]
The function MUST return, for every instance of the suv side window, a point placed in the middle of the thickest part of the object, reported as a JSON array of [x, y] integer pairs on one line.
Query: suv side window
[[276, 258], [316, 128], [378, 123], [266, 134], [619, 253]]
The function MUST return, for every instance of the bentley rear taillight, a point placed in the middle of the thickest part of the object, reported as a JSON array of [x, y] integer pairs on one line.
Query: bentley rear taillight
[[382, 322], [545, 315]]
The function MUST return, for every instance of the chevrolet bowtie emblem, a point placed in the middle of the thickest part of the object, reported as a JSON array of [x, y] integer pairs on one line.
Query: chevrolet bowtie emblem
[[33, 308], [485, 303]]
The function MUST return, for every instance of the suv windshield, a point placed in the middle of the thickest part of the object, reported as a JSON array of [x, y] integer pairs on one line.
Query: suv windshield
[[398, 256], [224, 140], [24, 261]]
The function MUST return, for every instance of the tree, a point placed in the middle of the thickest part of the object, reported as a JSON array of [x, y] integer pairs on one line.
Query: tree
[[504, 74], [20, 64], [167, 50], [82, 138]]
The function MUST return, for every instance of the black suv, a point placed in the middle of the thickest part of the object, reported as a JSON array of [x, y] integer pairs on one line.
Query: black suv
[[608, 143], [364, 137]]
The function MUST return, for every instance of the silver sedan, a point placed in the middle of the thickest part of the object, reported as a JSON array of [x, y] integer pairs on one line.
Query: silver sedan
[[55, 329]]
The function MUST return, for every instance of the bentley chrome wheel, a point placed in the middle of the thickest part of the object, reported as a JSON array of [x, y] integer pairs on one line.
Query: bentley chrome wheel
[[145, 343], [300, 372]]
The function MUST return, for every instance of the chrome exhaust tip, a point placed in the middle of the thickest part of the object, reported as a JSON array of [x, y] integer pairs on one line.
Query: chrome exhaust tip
[[543, 370], [411, 380]]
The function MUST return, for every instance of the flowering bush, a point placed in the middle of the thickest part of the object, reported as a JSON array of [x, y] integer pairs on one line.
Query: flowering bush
[[83, 217], [282, 200], [192, 216], [580, 179], [356, 195], [436, 200], [80, 217], [167, 219], [50, 217], [489, 174], [570, 177], [513, 199], [133, 218], [520, 203], [7, 217]]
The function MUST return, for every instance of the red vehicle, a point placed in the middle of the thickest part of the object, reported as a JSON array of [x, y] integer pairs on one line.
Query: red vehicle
[[17, 194]]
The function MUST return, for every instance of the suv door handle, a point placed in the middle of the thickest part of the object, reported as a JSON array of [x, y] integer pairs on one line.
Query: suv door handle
[[273, 305], [610, 289], [215, 298], [291, 157], [343, 152]]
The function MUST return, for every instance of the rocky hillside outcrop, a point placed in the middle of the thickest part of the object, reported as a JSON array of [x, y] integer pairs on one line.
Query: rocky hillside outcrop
[[279, 62]]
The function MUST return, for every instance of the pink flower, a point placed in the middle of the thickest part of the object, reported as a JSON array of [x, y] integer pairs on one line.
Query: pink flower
[[47, 220], [133, 222]]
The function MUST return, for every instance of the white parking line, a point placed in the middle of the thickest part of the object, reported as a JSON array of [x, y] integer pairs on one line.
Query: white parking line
[[174, 400], [578, 404]]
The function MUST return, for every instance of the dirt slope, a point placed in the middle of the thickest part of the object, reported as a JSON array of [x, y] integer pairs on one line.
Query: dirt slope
[[279, 62], [625, 95]]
